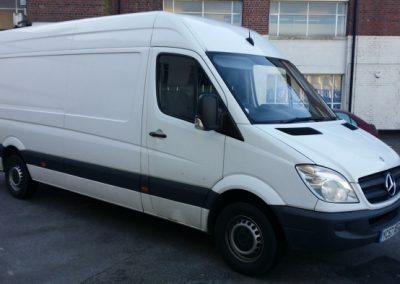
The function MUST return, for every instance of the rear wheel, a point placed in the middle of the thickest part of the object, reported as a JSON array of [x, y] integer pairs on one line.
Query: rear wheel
[[18, 180], [246, 239]]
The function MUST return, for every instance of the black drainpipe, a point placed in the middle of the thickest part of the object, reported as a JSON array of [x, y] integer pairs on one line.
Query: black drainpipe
[[353, 53], [119, 7]]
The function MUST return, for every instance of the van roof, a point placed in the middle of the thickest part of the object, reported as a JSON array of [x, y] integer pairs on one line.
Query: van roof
[[139, 29]]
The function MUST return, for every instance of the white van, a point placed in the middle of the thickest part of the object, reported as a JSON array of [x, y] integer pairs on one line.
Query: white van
[[194, 121]]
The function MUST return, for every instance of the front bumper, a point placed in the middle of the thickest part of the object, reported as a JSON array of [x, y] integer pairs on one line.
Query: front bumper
[[306, 229]]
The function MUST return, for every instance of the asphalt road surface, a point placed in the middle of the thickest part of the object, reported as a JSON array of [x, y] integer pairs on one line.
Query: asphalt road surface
[[62, 237]]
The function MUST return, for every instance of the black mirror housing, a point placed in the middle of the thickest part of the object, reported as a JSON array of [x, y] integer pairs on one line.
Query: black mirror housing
[[207, 117]]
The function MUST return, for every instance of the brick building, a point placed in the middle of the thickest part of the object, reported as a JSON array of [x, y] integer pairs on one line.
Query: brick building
[[317, 35]]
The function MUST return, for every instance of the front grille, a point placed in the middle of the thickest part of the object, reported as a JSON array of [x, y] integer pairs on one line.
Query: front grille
[[374, 187]]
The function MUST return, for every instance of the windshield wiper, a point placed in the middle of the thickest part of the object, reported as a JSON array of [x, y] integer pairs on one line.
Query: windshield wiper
[[305, 119]]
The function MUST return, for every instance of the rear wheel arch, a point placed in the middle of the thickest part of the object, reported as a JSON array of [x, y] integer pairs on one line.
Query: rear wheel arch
[[11, 145], [17, 177], [8, 152]]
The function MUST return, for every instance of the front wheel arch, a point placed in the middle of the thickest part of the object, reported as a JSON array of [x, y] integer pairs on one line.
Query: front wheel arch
[[238, 195]]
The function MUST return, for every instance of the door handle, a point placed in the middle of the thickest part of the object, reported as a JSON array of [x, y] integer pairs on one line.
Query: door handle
[[158, 134]]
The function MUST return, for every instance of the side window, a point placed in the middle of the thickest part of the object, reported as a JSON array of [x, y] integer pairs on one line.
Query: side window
[[180, 81]]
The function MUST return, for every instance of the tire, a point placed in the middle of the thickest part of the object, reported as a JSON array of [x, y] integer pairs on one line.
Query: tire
[[246, 239], [18, 179]]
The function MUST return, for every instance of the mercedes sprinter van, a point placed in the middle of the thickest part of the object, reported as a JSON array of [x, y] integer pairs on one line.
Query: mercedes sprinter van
[[195, 121]]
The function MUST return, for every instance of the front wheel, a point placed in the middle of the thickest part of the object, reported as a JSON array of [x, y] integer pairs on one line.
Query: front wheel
[[18, 180], [246, 239]]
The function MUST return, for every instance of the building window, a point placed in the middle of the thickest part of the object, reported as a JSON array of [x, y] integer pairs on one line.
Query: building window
[[8, 8], [6, 19], [329, 87], [226, 11], [307, 19]]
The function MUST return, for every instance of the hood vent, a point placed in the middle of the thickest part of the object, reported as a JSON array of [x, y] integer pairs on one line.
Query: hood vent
[[299, 131], [350, 126]]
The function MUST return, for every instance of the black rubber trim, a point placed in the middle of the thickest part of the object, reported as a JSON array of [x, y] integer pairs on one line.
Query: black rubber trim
[[1, 151], [180, 192], [350, 126], [299, 131], [43, 160]]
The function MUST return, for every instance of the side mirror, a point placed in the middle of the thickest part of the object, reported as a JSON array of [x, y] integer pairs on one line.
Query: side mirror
[[207, 112]]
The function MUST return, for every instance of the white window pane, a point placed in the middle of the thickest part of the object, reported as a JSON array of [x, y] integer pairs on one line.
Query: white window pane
[[337, 89], [217, 6], [297, 8], [338, 82], [191, 14], [227, 11], [188, 6], [237, 7], [341, 28], [293, 25], [237, 19], [273, 8], [321, 25], [8, 4], [329, 87], [168, 5], [219, 17], [273, 25], [342, 8], [318, 8]]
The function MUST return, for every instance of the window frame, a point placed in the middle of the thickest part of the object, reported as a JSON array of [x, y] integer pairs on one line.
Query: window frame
[[308, 15], [332, 102], [200, 67], [232, 12], [228, 124]]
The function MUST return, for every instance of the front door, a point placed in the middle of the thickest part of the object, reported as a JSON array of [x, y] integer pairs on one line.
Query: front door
[[183, 162]]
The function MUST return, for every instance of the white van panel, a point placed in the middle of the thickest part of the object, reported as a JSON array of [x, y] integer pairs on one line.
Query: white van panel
[[37, 44], [251, 184], [31, 136], [30, 93], [178, 212], [113, 194], [101, 103], [119, 30], [278, 166], [112, 39], [226, 36], [102, 151]]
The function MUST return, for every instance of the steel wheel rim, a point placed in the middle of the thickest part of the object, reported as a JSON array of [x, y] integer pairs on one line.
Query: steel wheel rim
[[244, 239], [16, 177]]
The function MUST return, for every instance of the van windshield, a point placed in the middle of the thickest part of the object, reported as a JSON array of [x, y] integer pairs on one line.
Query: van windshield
[[270, 90]]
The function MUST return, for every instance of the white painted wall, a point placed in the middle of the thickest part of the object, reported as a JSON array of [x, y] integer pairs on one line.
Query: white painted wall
[[376, 96], [319, 57], [315, 56], [377, 81]]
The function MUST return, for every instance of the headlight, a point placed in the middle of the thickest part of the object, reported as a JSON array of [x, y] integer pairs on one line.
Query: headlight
[[327, 184]]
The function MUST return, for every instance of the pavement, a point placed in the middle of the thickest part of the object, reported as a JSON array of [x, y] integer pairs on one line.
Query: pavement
[[63, 237], [392, 138]]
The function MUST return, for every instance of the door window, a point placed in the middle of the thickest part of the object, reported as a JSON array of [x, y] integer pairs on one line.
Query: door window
[[180, 81]]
